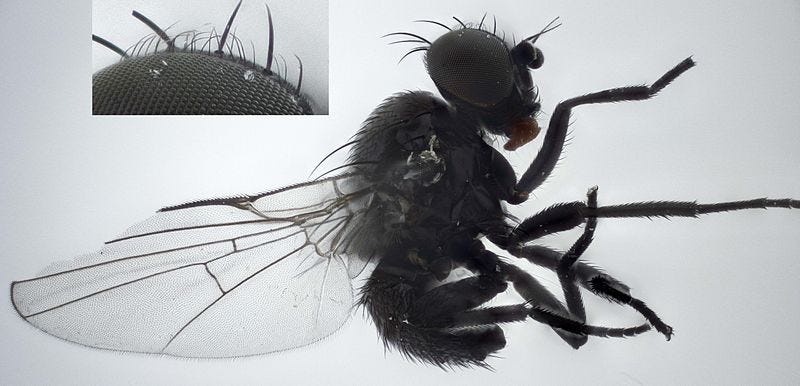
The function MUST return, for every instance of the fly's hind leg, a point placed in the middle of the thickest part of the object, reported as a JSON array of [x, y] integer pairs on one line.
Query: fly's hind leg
[[571, 272], [599, 285], [542, 305], [449, 325]]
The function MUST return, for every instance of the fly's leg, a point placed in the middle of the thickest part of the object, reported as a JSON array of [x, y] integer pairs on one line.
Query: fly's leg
[[596, 281], [599, 284], [546, 159], [448, 325], [606, 288], [566, 216], [541, 305], [566, 265], [572, 272], [667, 209], [535, 294]]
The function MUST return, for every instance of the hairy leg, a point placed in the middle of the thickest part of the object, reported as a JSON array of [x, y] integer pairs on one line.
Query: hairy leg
[[553, 143]]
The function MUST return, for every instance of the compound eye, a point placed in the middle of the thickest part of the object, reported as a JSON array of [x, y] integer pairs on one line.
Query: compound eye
[[473, 65]]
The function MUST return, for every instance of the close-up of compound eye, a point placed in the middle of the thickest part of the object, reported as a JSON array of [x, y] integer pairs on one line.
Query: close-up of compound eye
[[471, 64], [245, 58]]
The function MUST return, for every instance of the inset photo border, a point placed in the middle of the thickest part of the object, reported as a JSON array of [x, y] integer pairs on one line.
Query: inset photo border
[[209, 57]]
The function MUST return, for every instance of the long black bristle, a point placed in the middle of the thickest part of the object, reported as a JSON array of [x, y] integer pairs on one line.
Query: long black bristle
[[153, 26], [407, 34], [434, 22], [300, 78], [111, 46], [227, 29], [412, 51], [271, 43]]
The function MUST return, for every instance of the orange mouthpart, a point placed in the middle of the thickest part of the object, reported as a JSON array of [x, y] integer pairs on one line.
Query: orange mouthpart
[[523, 130]]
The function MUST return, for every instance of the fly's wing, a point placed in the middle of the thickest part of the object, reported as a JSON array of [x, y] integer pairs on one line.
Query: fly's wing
[[214, 278]]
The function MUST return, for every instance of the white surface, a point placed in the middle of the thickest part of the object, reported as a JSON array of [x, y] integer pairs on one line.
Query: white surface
[[725, 130]]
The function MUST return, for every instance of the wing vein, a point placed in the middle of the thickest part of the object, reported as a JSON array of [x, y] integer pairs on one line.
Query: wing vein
[[216, 280], [111, 288], [228, 292], [193, 227], [322, 292], [154, 253]]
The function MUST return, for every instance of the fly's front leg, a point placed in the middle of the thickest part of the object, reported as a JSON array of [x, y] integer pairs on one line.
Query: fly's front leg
[[546, 159]]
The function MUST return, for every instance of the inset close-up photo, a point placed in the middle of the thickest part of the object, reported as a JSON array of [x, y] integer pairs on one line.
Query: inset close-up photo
[[209, 58]]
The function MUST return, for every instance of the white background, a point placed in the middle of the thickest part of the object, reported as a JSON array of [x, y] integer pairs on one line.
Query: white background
[[726, 130]]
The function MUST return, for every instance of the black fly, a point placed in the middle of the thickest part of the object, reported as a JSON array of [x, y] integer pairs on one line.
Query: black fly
[[261, 273]]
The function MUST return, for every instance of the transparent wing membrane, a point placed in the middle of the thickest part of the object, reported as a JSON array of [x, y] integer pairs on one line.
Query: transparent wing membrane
[[213, 278]]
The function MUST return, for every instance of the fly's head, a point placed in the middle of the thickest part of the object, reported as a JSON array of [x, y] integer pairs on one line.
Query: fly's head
[[481, 74]]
